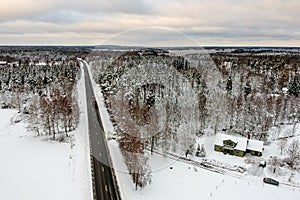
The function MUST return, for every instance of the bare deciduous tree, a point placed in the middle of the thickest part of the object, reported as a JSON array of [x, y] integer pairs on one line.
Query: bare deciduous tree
[[282, 144], [274, 163], [294, 153], [35, 114]]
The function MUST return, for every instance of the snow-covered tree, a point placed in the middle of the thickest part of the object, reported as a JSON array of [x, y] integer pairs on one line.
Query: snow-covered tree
[[200, 151], [35, 115], [282, 145], [293, 151], [274, 163]]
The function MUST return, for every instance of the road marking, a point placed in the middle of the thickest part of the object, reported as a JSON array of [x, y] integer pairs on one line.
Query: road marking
[[100, 154], [98, 142]]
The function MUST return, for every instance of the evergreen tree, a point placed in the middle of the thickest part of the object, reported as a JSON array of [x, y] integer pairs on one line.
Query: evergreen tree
[[294, 87], [229, 85], [247, 89], [198, 151], [202, 151]]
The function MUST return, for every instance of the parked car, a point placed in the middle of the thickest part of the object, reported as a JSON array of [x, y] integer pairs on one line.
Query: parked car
[[270, 181], [262, 164]]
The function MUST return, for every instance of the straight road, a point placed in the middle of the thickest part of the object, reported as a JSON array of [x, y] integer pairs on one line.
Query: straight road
[[106, 187]]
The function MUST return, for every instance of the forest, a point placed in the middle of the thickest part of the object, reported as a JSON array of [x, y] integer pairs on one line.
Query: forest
[[41, 83], [165, 101]]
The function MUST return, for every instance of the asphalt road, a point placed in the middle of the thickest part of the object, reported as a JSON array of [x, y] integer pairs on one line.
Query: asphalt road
[[105, 184]]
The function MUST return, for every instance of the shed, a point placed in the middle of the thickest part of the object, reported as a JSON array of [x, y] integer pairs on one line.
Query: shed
[[3, 62]]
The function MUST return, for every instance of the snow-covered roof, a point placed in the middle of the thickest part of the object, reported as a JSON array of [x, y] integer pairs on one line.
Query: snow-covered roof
[[285, 89], [255, 145], [41, 64], [241, 142]]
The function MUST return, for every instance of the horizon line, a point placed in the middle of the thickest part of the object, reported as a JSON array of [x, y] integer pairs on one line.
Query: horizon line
[[145, 46]]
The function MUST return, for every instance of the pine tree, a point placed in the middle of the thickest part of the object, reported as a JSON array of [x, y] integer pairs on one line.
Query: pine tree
[[202, 151], [247, 89], [294, 88], [198, 151], [229, 85]]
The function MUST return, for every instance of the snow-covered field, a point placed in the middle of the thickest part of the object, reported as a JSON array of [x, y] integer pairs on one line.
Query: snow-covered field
[[35, 168]]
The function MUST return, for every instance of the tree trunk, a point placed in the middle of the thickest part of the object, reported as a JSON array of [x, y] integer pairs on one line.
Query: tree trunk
[[152, 144], [216, 125]]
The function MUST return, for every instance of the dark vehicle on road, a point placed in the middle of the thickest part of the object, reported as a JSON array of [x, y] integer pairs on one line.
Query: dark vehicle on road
[[262, 164], [271, 181]]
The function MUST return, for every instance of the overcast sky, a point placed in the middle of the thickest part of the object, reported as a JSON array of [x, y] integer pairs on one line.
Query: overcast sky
[[150, 22]]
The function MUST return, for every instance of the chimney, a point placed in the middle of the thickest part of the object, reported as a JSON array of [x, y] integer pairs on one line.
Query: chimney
[[248, 138]]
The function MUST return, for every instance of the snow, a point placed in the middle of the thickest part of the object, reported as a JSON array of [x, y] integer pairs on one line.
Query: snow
[[176, 179], [31, 168], [34, 168], [41, 64], [7, 118], [186, 181], [255, 145], [81, 150]]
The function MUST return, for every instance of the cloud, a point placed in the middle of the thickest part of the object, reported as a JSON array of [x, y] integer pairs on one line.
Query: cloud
[[208, 21], [32, 9]]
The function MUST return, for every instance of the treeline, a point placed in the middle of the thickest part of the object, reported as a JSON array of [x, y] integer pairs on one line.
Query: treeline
[[42, 87], [165, 102]]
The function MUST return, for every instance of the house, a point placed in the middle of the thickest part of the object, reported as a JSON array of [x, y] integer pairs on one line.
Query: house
[[255, 147], [238, 146], [3, 62]]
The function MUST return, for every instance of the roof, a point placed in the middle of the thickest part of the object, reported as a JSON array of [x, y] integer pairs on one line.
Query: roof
[[254, 145], [41, 64], [241, 142]]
